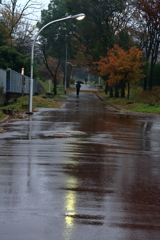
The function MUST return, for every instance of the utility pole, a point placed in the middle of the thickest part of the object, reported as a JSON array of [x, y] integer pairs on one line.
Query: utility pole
[[65, 77], [14, 2]]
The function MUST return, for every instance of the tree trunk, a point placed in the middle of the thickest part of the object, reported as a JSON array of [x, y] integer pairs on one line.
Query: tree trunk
[[116, 92], [145, 84], [111, 92], [151, 76], [123, 89], [69, 70], [153, 62], [55, 85], [128, 91], [106, 88]]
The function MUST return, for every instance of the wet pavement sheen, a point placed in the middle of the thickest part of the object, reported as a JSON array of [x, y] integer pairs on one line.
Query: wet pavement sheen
[[101, 181]]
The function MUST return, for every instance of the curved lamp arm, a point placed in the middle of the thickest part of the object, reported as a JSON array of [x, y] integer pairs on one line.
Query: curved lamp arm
[[78, 17]]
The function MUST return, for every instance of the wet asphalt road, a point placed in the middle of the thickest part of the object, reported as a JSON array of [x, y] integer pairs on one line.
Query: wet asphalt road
[[102, 182]]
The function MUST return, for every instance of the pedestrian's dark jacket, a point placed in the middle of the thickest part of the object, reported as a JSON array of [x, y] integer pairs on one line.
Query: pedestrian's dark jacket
[[78, 86]]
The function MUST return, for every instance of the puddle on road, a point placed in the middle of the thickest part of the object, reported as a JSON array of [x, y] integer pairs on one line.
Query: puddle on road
[[101, 180]]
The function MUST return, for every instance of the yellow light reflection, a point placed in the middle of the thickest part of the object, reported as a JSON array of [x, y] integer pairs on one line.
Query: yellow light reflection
[[70, 203], [69, 220]]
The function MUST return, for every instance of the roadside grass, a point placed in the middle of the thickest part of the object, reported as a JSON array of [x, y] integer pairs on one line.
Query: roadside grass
[[2, 115], [21, 105], [48, 86], [139, 101], [40, 101]]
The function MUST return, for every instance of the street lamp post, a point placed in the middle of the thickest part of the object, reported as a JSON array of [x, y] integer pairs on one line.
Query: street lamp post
[[65, 77], [78, 17]]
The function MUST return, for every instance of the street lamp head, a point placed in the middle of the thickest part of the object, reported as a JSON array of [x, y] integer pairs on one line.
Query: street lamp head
[[79, 16]]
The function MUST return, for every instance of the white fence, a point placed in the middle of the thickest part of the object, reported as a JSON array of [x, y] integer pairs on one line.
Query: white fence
[[3, 80], [13, 84], [12, 81]]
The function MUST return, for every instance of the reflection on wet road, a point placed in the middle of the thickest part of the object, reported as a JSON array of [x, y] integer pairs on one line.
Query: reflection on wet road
[[101, 182]]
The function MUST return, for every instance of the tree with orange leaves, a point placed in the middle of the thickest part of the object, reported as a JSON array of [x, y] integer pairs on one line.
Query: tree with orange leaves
[[120, 65]]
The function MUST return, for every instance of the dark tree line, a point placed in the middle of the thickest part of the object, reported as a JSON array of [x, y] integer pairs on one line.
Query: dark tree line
[[126, 23]]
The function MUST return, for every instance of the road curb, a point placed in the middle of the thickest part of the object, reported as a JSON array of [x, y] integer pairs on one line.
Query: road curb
[[116, 107]]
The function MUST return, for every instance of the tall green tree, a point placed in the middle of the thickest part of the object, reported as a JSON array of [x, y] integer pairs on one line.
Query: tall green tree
[[103, 26], [54, 38], [10, 58], [92, 36], [124, 40], [103, 20], [16, 28], [145, 29]]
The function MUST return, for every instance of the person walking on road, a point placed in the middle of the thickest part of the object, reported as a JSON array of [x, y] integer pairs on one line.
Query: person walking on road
[[78, 86]]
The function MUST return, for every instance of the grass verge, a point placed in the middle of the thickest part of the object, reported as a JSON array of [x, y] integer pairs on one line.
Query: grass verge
[[140, 101], [48, 86], [21, 105]]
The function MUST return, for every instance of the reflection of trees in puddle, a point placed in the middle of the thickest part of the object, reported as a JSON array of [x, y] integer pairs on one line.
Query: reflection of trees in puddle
[[149, 136], [78, 204], [139, 191], [93, 166], [89, 182], [146, 141], [106, 163], [115, 124]]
